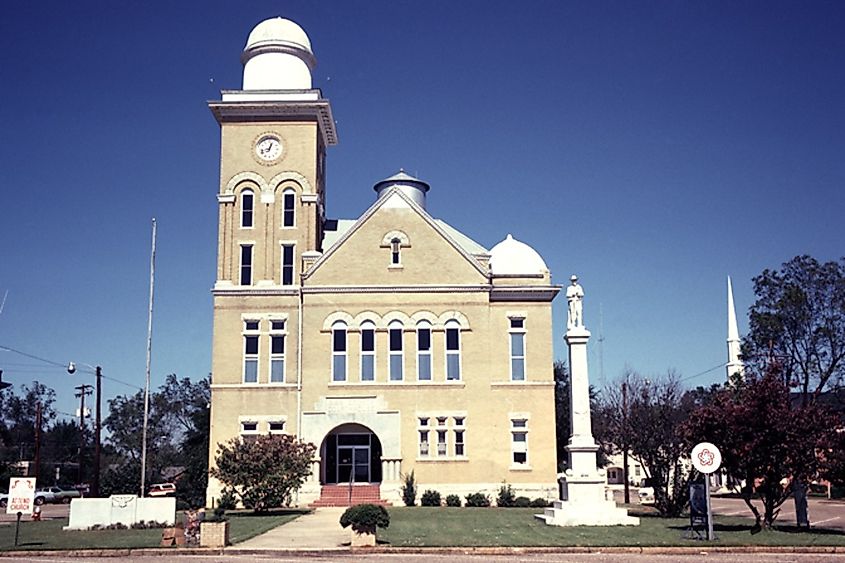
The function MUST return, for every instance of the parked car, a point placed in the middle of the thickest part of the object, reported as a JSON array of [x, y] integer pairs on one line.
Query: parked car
[[43, 496], [63, 496], [646, 495], [4, 500], [162, 490]]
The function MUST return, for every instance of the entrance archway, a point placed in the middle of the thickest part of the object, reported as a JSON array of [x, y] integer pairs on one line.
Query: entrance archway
[[351, 453]]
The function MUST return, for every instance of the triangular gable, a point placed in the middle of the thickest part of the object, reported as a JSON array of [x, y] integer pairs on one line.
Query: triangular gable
[[394, 197]]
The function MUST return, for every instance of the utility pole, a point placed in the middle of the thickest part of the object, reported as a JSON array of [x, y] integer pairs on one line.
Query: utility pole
[[37, 439], [625, 441], [95, 485], [81, 392]]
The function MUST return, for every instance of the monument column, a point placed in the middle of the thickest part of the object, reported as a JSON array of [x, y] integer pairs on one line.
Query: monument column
[[584, 501]]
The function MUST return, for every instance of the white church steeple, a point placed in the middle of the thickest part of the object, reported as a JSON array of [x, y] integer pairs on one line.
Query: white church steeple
[[734, 364]]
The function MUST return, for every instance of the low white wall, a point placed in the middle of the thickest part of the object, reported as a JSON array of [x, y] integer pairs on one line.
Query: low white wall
[[86, 513]]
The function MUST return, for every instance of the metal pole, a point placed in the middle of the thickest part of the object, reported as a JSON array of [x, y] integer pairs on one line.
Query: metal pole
[[709, 511], [82, 391], [625, 441], [37, 439], [95, 489], [149, 354]]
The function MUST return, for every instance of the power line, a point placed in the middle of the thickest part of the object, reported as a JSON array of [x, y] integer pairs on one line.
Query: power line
[[714, 368]]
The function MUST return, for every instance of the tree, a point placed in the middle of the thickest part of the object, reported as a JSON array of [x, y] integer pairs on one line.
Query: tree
[[266, 471], [653, 433], [798, 320], [765, 439]]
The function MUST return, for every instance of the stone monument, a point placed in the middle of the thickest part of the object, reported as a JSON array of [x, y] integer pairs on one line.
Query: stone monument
[[584, 501]]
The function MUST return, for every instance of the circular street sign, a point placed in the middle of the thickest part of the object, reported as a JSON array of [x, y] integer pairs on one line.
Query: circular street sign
[[706, 457]]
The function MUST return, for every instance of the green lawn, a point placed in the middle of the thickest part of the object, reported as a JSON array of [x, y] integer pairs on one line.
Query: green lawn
[[517, 527], [48, 535]]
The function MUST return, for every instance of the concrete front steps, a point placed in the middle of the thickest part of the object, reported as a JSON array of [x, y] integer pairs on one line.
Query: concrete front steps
[[339, 495]]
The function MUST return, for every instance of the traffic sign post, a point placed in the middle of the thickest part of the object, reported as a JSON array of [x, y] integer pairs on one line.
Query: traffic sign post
[[707, 459]]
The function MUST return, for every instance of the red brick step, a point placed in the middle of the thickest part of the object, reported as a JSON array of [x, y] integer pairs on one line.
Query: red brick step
[[339, 495]]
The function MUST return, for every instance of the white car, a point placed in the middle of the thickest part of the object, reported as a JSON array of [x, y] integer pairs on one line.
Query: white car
[[162, 490], [646, 495]]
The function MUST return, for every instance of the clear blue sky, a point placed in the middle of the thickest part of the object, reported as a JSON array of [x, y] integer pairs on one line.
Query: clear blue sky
[[653, 148]]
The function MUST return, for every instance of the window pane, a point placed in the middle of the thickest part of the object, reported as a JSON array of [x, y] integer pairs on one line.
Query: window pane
[[424, 339], [519, 437], [277, 371], [453, 367], [277, 325], [424, 361], [518, 369], [278, 345], [451, 339], [396, 367], [520, 457], [368, 340], [396, 339], [339, 338], [287, 265], [339, 367], [251, 325], [288, 213], [246, 265], [517, 344], [277, 426], [251, 371], [251, 345], [367, 368], [517, 323], [246, 209]]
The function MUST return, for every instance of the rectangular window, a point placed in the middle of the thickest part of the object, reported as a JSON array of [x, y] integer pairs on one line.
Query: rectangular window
[[459, 442], [249, 431], [247, 199], [276, 427], [517, 348], [339, 353], [246, 264], [368, 354], [277, 358], [287, 264], [519, 441], [250, 352], [288, 211], [441, 443], [423, 443], [396, 357], [453, 354], [424, 354]]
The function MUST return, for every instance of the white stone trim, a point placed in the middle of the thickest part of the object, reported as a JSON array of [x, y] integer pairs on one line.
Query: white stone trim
[[290, 175]]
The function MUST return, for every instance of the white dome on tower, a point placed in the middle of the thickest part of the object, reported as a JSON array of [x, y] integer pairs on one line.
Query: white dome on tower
[[278, 56], [512, 257]]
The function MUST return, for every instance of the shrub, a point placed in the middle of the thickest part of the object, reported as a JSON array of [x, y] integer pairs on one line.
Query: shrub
[[478, 499], [506, 497], [364, 518], [539, 502], [430, 498], [409, 489], [453, 500], [227, 500], [522, 502]]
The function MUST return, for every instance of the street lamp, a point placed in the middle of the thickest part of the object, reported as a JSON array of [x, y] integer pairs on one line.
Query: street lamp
[[98, 372]]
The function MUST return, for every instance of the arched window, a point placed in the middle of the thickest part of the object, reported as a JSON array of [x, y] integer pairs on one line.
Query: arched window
[[453, 350], [247, 207], [339, 351], [396, 358], [395, 256], [368, 351], [289, 208], [424, 351]]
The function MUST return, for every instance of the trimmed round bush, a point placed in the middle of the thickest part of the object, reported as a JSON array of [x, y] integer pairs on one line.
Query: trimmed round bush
[[430, 498], [522, 502], [478, 500], [364, 518], [540, 502], [453, 500]]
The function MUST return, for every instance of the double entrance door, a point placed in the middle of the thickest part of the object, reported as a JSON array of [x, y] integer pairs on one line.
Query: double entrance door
[[353, 458]]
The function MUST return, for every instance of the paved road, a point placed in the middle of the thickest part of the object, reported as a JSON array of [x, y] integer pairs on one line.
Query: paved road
[[48, 512], [823, 513], [462, 558]]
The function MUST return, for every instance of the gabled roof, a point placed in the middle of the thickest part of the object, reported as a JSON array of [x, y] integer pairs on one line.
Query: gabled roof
[[345, 228]]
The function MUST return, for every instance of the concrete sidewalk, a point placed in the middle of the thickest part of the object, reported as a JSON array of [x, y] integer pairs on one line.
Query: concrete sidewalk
[[317, 530]]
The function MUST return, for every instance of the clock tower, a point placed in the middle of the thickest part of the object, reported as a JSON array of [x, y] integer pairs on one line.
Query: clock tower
[[273, 138]]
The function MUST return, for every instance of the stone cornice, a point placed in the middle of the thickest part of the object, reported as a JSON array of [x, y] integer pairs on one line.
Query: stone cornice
[[524, 293], [396, 289], [258, 111]]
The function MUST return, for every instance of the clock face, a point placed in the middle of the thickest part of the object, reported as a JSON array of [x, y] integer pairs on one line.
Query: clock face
[[268, 148]]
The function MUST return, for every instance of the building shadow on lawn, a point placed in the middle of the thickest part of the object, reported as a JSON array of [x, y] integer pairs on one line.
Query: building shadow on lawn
[[272, 512]]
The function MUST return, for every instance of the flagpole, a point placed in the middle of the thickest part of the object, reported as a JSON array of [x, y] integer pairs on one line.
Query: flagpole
[[149, 354]]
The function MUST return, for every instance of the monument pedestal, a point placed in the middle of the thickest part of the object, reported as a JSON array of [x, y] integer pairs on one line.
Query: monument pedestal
[[584, 501]]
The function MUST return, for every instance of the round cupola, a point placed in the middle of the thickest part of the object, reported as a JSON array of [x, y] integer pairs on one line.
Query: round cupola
[[514, 258], [277, 56], [407, 184]]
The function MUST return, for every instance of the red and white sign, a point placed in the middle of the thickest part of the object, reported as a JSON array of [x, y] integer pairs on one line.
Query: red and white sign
[[706, 457], [21, 495]]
